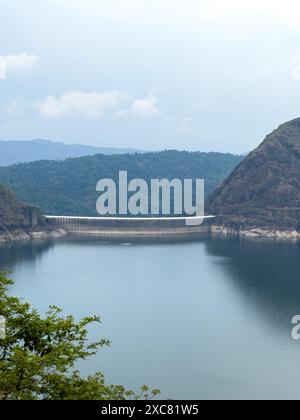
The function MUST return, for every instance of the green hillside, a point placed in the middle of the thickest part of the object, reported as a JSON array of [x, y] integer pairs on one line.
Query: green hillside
[[69, 187]]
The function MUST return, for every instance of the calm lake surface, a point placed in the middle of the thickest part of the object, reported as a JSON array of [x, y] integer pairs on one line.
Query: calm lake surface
[[200, 320]]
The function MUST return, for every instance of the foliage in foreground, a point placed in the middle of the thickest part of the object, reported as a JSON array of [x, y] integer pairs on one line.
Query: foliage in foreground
[[38, 356]]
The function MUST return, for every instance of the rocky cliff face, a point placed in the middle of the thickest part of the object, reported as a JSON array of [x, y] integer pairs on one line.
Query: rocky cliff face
[[15, 215], [21, 222], [263, 192]]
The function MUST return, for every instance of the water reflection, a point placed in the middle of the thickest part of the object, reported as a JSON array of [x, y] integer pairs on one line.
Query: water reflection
[[13, 254], [265, 272]]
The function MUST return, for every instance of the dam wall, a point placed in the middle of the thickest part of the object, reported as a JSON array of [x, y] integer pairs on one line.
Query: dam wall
[[126, 227]]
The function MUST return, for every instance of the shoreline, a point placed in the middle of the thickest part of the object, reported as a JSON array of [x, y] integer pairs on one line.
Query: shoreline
[[115, 233], [23, 235], [256, 232]]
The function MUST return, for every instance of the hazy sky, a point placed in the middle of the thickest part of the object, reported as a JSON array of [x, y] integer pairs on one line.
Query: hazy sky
[[150, 74]]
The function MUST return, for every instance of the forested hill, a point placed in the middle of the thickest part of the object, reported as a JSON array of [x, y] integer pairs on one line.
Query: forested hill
[[69, 187], [264, 190]]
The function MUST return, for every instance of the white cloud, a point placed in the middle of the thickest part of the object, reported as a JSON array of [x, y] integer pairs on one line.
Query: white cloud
[[184, 123], [179, 11], [15, 107], [133, 11], [21, 62], [287, 11], [16, 63], [146, 107], [2, 68], [83, 104]]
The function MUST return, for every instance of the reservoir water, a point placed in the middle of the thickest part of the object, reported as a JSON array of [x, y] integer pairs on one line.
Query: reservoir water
[[209, 319]]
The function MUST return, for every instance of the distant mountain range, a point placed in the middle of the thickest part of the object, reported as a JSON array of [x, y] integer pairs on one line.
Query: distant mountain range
[[69, 187], [12, 152]]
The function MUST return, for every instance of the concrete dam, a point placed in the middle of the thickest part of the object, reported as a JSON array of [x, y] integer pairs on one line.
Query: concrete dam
[[126, 227]]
